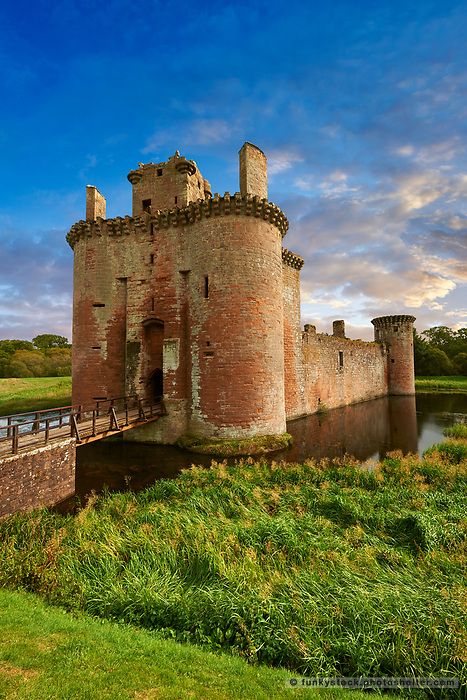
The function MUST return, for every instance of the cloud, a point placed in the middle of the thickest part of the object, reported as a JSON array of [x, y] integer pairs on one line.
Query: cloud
[[198, 132], [281, 160]]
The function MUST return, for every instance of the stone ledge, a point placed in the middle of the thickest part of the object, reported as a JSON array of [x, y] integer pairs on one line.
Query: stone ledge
[[236, 205]]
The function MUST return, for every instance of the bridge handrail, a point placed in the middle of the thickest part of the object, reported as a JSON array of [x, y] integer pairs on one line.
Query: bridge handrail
[[63, 408], [41, 423]]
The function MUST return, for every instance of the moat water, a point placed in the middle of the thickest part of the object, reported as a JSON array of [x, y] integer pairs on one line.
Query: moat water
[[366, 430]]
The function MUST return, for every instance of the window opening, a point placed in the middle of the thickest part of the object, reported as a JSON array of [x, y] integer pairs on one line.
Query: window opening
[[176, 200], [206, 287], [159, 172], [147, 205], [395, 328], [151, 259], [341, 358], [98, 306]]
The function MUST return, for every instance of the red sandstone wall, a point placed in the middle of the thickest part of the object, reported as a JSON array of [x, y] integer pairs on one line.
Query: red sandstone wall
[[293, 365], [39, 478], [363, 375]]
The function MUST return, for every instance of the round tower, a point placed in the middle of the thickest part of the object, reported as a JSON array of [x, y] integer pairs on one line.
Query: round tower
[[397, 333]]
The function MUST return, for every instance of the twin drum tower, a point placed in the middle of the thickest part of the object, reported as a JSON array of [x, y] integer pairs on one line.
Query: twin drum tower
[[195, 299]]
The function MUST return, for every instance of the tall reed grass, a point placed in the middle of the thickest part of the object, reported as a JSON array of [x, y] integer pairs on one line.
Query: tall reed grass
[[328, 569]]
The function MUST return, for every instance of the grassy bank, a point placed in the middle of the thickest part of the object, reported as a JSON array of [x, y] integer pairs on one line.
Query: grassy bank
[[446, 384], [33, 394], [326, 568], [46, 653]]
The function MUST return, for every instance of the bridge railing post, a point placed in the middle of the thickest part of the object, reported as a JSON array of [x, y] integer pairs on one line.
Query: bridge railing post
[[8, 429], [126, 412], [94, 422], [47, 430], [36, 424], [15, 440]]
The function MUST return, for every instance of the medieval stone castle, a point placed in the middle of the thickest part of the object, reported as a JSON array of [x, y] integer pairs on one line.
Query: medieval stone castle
[[193, 298]]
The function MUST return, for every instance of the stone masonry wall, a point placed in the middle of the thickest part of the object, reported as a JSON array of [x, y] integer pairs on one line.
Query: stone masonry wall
[[340, 371], [43, 477], [293, 362]]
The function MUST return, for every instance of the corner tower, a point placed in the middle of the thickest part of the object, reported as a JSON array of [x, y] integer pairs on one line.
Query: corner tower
[[397, 333]]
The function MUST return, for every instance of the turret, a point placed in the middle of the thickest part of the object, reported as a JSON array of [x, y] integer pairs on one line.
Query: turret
[[162, 186], [397, 333]]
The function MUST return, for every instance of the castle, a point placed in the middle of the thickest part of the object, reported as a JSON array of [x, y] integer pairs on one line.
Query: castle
[[195, 299]]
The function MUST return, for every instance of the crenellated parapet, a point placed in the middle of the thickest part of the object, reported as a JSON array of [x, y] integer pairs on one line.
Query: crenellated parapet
[[389, 321], [228, 205], [292, 259]]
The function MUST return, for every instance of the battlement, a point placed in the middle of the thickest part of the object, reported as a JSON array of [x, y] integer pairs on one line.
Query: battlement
[[228, 205], [292, 259], [388, 321]]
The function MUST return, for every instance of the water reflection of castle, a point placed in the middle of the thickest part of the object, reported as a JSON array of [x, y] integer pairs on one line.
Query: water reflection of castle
[[365, 430]]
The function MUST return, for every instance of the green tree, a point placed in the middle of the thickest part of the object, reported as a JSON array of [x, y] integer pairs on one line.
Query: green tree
[[58, 362], [33, 360], [49, 340], [460, 363]]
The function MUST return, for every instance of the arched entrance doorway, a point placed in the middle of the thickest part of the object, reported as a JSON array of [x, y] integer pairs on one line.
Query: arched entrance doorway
[[153, 358], [156, 384]]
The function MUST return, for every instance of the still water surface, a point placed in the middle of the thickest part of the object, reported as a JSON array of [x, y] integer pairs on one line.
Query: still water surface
[[367, 431]]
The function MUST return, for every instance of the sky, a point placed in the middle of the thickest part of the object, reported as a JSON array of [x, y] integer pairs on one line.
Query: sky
[[360, 107]]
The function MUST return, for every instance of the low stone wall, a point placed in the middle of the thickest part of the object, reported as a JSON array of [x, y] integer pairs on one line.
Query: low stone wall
[[42, 477]]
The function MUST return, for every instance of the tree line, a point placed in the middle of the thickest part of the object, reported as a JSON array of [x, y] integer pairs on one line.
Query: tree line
[[47, 355], [440, 351], [437, 351]]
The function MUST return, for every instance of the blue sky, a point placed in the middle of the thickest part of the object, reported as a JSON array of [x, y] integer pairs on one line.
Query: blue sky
[[361, 108]]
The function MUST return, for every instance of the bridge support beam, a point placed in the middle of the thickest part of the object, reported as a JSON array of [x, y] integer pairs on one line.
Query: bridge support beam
[[41, 477]]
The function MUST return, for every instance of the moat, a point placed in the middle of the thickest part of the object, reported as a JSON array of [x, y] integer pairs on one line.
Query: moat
[[366, 430]]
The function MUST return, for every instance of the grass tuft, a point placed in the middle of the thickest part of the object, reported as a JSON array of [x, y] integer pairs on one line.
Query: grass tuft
[[255, 445]]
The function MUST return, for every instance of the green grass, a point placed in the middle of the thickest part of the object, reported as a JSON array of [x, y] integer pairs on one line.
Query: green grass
[[447, 384], [457, 431], [327, 569], [46, 653], [256, 445], [33, 394]]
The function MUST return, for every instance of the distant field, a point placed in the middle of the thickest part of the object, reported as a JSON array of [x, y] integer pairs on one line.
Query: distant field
[[33, 394], [455, 383]]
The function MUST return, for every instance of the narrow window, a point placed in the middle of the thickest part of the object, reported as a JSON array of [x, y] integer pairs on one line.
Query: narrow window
[[147, 205], [95, 347], [208, 343], [152, 304], [341, 358], [208, 353], [151, 259], [152, 229], [98, 306], [206, 287], [392, 361], [395, 328], [176, 200], [159, 172]]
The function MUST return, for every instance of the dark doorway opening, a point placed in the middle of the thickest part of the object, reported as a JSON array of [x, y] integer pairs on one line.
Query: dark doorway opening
[[156, 381]]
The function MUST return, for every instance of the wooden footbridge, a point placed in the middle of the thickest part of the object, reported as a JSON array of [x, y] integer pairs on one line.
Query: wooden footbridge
[[23, 432]]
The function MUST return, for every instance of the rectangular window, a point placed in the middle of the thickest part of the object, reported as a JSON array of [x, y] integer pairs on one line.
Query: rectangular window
[[151, 259], [176, 200], [159, 172], [147, 205], [206, 287], [98, 306], [341, 358], [395, 328]]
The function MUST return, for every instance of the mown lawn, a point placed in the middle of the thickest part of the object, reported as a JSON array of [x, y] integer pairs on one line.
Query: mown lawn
[[450, 384], [33, 394], [47, 653], [327, 569]]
